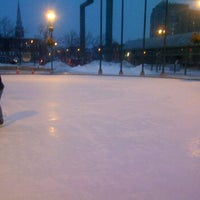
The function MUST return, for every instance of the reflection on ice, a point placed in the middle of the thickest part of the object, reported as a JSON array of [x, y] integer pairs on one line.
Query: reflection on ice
[[53, 117], [52, 132]]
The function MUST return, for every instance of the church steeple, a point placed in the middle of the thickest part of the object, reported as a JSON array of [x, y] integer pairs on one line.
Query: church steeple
[[19, 29]]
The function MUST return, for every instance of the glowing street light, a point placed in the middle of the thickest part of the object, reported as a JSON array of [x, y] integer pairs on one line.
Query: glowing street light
[[195, 4], [51, 16], [165, 38], [198, 4]]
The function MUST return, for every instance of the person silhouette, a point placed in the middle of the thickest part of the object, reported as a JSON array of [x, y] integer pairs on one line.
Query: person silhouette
[[1, 92]]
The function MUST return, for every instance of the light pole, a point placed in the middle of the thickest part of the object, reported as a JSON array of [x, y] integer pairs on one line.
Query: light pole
[[33, 49], [165, 38], [122, 38], [50, 42], [100, 48], [144, 37]]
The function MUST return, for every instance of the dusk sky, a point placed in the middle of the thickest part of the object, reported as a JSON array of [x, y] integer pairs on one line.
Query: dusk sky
[[33, 14]]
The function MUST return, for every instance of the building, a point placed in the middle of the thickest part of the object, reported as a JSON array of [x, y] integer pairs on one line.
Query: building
[[181, 44], [20, 48], [180, 19]]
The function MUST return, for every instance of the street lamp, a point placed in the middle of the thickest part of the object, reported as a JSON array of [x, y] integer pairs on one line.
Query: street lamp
[[195, 4], [165, 38], [144, 37], [33, 49], [122, 38], [198, 4], [50, 42], [100, 48]]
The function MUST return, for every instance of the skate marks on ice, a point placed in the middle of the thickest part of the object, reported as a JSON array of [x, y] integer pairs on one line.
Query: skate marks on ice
[[18, 116], [194, 147]]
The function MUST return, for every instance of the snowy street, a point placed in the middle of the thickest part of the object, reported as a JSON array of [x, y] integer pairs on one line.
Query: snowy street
[[82, 137]]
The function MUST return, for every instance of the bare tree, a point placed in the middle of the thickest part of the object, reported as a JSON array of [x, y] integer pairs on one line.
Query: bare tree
[[6, 28], [43, 31], [89, 40], [71, 39], [95, 42]]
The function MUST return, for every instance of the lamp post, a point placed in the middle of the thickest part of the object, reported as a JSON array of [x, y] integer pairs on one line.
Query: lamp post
[[144, 37], [33, 49], [51, 18], [122, 38], [100, 48], [165, 38]]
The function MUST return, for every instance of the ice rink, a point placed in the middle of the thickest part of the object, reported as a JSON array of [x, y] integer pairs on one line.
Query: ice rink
[[72, 137]]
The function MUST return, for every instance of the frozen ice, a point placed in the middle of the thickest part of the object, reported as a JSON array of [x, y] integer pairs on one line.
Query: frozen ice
[[89, 137]]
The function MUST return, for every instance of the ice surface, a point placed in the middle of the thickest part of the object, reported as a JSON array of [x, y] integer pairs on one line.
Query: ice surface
[[99, 137]]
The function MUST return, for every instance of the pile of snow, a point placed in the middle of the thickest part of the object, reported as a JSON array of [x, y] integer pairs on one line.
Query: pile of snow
[[113, 68], [108, 68]]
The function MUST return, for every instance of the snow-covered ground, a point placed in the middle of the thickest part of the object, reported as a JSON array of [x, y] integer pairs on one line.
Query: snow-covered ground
[[108, 68], [99, 137]]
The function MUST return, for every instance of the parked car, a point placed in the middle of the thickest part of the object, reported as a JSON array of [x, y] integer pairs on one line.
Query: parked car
[[8, 60]]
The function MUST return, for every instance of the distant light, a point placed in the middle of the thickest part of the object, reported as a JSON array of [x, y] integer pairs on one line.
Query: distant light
[[195, 5], [128, 54], [198, 4], [161, 31], [51, 15]]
